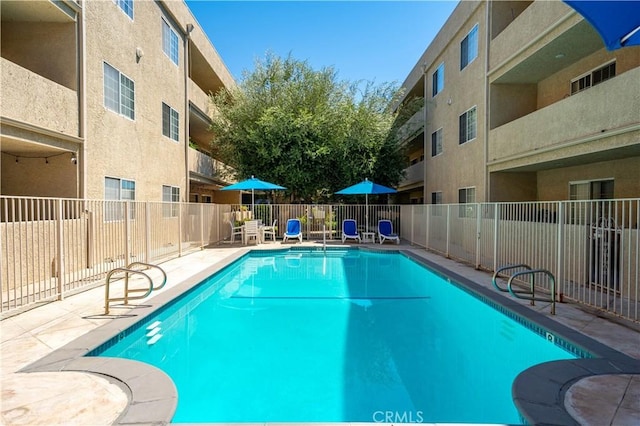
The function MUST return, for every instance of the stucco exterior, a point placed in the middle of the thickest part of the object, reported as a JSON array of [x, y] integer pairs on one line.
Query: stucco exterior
[[530, 124], [54, 108]]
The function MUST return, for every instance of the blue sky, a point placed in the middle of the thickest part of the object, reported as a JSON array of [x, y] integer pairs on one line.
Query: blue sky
[[378, 41]]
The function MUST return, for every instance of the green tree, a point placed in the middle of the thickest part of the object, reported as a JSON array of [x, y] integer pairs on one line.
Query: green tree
[[304, 129]]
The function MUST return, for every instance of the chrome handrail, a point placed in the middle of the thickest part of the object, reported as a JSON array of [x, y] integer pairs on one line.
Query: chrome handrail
[[533, 298], [506, 268]]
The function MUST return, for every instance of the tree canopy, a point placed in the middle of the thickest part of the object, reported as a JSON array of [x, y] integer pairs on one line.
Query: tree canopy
[[292, 125]]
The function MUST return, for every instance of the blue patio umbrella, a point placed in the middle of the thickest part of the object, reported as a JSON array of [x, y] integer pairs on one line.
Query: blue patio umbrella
[[366, 187], [617, 22], [253, 184]]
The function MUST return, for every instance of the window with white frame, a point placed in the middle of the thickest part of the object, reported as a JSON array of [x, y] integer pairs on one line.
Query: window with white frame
[[437, 80], [469, 48], [467, 196], [116, 189], [170, 194], [119, 92], [169, 42], [468, 125], [594, 77], [170, 122], [436, 142], [126, 6]]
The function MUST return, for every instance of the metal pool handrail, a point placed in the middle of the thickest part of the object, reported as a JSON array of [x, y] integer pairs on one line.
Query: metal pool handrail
[[506, 268], [533, 298], [127, 291]]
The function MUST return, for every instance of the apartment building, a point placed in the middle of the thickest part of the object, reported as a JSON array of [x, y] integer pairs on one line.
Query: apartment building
[[522, 102], [108, 100]]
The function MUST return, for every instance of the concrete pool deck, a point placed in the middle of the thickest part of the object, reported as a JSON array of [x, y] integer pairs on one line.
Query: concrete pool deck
[[88, 399]]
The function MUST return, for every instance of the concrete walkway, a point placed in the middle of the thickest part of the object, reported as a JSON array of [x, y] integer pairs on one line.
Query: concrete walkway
[[86, 399]]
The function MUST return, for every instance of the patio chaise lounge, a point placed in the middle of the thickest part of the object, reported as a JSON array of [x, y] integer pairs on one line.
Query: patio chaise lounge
[[350, 230], [294, 230], [385, 231]]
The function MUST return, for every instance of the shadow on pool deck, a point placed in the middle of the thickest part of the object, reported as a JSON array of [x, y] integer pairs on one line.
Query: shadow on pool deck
[[53, 337]]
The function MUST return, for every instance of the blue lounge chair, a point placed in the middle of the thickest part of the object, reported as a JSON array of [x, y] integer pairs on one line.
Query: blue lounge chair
[[350, 230], [294, 230], [385, 231]]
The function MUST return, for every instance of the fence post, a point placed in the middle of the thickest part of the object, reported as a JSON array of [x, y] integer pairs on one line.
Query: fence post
[[560, 254], [60, 249], [448, 229], [412, 215], [496, 225], [147, 232], [427, 212], [127, 233], [179, 229], [478, 227], [201, 225]]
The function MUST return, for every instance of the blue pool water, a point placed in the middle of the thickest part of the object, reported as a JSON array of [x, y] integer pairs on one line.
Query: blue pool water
[[353, 336]]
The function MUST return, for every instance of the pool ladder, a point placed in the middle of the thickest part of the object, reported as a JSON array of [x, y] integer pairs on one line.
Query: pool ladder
[[531, 293], [128, 270]]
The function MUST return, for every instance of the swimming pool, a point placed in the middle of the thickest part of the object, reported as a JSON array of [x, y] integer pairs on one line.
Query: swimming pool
[[347, 336]]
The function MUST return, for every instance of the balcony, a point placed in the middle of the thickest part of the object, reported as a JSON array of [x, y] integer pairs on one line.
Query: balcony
[[530, 25], [30, 98], [413, 127], [199, 98], [564, 129], [206, 168], [414, 175]]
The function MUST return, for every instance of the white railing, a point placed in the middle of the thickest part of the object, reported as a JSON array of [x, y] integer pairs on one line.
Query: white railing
[[591, 247], [55, 247]]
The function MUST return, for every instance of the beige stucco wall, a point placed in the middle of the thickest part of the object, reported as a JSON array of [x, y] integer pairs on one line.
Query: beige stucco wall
[[513, 186], [459, 166], [45, 48], [558, 86], [554, 184], [600, 118], [58, 178], [117, 146]]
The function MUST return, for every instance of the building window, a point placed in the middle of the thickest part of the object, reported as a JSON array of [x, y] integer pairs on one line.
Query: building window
[[438, 80], [206, 199], [436, 197], [118, 190], [170, 42], [126, 6], [170, 122], [467, 196], [170, 194], [590, 190], [436, 142], [469, 48], [468, 126], [119, 92], [594, 77]]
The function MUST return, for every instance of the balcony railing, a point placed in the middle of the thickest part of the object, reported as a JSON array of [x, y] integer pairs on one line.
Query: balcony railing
[[596, 111], [412, 127], [207, 166], [413, 174], [30, 98]]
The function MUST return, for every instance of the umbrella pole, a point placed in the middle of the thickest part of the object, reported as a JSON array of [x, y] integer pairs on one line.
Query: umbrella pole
[[253, 208], [366, 212]]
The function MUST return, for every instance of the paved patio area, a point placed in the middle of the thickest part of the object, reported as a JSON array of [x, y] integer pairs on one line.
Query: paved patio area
[[53, 398]]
